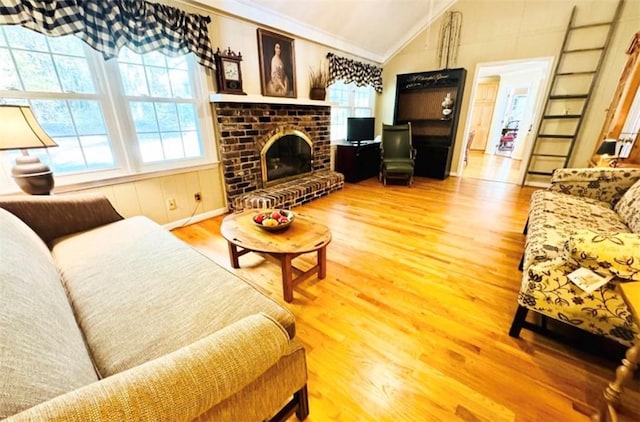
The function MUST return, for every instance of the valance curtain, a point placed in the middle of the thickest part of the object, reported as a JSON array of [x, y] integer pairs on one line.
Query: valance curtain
[[107, 26], [347, 70]]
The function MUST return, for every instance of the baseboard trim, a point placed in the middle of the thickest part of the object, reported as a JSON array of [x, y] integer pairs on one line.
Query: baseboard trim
[[537, 184], [196, 218]]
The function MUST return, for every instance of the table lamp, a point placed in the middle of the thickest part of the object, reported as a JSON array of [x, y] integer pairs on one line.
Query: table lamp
[[19, 129], [608, 150]]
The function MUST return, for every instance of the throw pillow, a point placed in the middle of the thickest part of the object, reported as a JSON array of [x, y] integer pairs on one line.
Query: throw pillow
[[616, 254], [628, 208]]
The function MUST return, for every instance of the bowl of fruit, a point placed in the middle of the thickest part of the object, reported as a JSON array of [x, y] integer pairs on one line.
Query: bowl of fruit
[[273, 220]]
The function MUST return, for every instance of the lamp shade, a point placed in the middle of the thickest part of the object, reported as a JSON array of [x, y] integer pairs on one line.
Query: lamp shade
[[608, 146], [19, 129]]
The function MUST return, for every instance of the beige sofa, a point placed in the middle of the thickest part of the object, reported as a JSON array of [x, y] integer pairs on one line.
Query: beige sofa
[[588, 217], [106, 318]]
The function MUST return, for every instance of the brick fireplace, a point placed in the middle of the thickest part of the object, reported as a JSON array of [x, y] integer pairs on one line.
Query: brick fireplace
[[244, 127]]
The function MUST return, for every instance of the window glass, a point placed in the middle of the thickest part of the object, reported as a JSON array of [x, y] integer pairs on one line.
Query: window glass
[[36, 71], [155, 75], [128, 56], [69, 46], [134, 80], [362, 97], [158, 79], [339, 123], [22, 39], [54, 116], [75, 75], [169, 123], [8, 76], [75, 125]]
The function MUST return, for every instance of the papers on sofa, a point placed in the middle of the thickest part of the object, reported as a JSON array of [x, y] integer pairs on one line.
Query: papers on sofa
[[587, 280]]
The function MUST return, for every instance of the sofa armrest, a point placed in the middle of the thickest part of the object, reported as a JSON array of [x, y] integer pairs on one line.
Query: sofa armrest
[[602, 183], [179, 386], [59, 215]]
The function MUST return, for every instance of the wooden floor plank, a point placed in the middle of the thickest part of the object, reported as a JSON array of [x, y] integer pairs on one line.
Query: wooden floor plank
[[411, 322]]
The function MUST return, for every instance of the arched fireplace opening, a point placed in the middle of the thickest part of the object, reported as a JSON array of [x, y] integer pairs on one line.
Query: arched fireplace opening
[[286, 155]]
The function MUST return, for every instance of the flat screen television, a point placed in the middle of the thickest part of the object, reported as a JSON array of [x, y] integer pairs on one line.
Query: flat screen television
[[360, 129]]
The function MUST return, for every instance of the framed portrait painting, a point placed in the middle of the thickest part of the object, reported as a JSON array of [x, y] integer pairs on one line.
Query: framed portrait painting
[[277, 64]]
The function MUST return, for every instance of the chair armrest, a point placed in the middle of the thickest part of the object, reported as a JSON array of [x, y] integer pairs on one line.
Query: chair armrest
[[602, 183], [179, 386], [59, 215]]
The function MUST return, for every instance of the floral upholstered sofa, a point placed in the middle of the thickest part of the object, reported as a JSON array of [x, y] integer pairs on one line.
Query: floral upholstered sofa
[[587, 218]]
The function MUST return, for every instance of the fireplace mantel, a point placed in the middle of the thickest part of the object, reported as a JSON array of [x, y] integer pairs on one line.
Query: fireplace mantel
[[260, 99]]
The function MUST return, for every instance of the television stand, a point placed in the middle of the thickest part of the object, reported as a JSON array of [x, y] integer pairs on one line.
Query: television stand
[[358, 160]]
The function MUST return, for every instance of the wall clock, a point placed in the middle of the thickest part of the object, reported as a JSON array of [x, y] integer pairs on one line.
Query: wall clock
[[228, 72]]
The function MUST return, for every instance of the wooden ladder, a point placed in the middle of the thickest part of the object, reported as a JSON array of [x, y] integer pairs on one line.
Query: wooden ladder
[[574, 79]]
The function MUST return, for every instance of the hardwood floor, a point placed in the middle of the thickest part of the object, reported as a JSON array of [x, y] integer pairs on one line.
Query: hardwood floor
[[495, 167], [411, 322]]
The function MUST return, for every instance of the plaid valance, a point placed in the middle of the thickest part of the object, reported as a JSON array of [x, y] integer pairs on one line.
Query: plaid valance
[[107, 26], [347, 70]]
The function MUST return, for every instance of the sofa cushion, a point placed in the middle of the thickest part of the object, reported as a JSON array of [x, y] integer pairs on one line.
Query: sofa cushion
[[139, 292], [555, 216], [629, 207], [42, 353], [608, 254]]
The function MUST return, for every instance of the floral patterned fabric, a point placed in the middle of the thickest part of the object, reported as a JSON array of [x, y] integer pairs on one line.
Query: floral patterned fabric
[[629, 207], [553, 217], [581, 201], [610, 254], [603, 183], [547, 290]]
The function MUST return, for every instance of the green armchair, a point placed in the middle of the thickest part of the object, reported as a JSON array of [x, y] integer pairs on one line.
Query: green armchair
[[397, 158]]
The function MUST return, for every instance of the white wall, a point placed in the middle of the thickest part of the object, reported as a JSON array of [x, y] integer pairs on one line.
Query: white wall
[[495, 30]]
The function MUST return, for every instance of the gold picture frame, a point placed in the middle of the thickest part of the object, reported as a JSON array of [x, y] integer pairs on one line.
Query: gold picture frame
[[277, 59]]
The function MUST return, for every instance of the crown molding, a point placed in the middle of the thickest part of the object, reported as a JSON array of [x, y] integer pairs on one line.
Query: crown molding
[[266, 17]]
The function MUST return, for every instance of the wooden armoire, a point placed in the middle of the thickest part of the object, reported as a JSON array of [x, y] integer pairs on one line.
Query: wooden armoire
[[423, 99]]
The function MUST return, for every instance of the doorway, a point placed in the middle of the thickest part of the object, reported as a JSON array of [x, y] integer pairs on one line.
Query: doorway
[[506, 103]]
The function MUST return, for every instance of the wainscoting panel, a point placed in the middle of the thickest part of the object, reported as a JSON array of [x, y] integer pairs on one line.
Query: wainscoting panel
[[149, 197]]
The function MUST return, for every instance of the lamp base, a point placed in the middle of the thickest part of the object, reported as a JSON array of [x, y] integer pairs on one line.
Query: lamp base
[[32, 176]]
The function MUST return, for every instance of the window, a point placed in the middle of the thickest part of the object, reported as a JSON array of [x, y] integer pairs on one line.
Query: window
[[135, 114], [349, 101], [162, 105]]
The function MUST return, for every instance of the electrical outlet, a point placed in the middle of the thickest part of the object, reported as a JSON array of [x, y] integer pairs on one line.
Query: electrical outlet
[[197, 196], [171, 204]]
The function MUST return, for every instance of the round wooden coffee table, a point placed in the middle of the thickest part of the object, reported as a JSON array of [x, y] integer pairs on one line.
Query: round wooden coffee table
[[304, 235]]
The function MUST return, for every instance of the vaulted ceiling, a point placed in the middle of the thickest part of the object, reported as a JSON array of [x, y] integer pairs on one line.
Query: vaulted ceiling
[[371, 29]]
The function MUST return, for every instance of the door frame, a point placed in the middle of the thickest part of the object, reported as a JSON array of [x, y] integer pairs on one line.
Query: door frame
[[542, 68]]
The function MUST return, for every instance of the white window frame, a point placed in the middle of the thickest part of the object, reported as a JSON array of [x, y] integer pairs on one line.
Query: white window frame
[[129, 165], [351, 108]]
